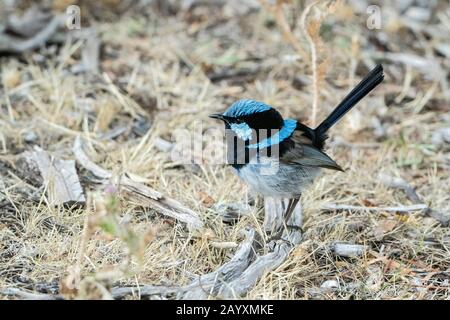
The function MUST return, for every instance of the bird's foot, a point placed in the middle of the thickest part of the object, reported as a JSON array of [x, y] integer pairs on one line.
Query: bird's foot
[[278, 235]]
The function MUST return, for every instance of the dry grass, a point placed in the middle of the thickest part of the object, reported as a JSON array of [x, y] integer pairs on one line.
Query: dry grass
[[157, 69]]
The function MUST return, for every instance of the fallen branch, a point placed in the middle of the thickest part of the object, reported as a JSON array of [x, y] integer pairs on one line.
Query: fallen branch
[[415, 207], [313, 49], [153, 198]]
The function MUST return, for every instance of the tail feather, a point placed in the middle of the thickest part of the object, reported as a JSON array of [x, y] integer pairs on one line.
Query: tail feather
[[373, 78]]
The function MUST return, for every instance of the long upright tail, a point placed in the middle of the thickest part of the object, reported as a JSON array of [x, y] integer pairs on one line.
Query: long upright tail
[[373, 78]]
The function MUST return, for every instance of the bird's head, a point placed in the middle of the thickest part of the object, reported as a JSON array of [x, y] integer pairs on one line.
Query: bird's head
[[247, 117]]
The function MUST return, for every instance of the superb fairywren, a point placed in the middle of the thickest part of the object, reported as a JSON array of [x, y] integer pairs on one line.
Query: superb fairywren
[[295, 150]]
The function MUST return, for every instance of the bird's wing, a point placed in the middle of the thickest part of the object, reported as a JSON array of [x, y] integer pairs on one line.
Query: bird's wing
[[303, 152]]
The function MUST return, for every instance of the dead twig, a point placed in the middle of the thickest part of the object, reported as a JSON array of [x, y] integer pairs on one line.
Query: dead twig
[[411, 208], [313, 49], [280, 18]]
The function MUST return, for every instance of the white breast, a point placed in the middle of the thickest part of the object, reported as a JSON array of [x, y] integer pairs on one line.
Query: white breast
[[272, 178]]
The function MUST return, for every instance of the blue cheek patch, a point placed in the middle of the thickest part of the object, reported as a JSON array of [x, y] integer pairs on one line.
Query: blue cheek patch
[[242, 130], [285, 132]]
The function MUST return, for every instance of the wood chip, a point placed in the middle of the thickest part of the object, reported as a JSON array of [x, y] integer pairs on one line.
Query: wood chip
[[348, 250], [59, 177]]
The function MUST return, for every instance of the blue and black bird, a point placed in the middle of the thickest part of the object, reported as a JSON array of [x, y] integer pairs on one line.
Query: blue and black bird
[[259, 138]]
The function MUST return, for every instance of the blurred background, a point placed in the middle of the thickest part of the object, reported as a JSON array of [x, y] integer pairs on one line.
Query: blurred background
[[93, 92]]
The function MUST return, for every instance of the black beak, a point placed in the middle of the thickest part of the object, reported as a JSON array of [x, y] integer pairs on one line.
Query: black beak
[[220, 116], [217, 116]]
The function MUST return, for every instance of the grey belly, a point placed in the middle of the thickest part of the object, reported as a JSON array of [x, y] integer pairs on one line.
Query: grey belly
[[278, 180]]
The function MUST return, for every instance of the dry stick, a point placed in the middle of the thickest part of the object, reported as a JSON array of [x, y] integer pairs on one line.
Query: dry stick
[[277, 12], [415, 207], [313, 63]]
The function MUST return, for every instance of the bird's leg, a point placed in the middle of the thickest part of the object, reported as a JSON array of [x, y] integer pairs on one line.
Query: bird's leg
[[292, 204], [289, 209]]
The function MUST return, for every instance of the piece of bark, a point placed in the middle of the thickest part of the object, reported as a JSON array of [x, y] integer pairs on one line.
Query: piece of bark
[[278, 250], [59, 177]]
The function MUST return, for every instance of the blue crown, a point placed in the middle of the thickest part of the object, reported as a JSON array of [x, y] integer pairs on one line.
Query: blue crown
[[246, 107]]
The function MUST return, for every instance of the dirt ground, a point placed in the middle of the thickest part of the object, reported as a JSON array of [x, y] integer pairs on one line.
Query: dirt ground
[[164, 66]]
